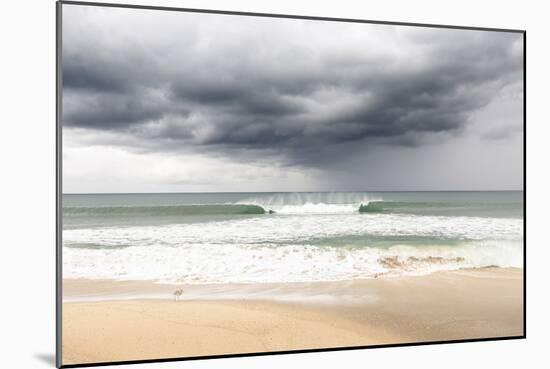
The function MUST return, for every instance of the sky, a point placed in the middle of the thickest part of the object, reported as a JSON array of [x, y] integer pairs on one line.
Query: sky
[[158, 101]]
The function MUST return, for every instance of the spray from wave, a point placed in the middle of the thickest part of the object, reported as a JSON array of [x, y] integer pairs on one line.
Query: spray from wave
[[311, 203]]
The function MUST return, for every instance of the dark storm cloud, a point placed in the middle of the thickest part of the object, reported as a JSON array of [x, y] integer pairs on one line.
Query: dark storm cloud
[[301, 105], [81, 72]]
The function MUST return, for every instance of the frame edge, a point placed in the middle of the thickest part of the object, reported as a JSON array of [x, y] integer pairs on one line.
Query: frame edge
[[58, 184]]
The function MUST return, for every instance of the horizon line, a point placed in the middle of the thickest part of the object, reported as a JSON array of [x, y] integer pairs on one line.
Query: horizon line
[[236, 192]]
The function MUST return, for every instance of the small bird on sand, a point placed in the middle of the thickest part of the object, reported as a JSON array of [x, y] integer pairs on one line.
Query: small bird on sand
[[177, 294]]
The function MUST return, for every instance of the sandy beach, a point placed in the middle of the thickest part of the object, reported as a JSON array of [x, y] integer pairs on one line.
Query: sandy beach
[[106, 320]]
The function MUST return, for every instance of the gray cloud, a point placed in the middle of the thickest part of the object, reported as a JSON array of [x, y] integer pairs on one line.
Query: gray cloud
[[502, 133], [264, 89]]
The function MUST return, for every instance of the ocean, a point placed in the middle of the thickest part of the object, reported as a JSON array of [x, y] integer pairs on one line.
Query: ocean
[[212, 238]]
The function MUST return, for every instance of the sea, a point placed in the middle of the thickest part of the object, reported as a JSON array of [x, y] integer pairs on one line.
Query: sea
[[218, 238]]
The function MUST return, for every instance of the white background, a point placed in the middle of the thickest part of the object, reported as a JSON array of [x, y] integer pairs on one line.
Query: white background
[[27, 144]]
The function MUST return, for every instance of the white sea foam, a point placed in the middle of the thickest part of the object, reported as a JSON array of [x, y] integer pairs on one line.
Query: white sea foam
[[311, 203], [310, 208], [281, 248]]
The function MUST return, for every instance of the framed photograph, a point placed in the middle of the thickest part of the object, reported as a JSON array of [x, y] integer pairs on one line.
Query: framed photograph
[[238, 184]]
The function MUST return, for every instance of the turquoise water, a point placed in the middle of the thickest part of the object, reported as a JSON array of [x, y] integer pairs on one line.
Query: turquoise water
[[278, 237]]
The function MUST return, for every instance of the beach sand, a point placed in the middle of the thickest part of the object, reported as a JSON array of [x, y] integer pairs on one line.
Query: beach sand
[[113, 321]]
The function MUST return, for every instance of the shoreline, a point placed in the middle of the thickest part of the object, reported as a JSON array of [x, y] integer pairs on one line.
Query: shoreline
[[115, 320], [85, 289]]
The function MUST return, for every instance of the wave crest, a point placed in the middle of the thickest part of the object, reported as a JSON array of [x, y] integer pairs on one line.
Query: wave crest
[[168, 210], [311, 208]]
